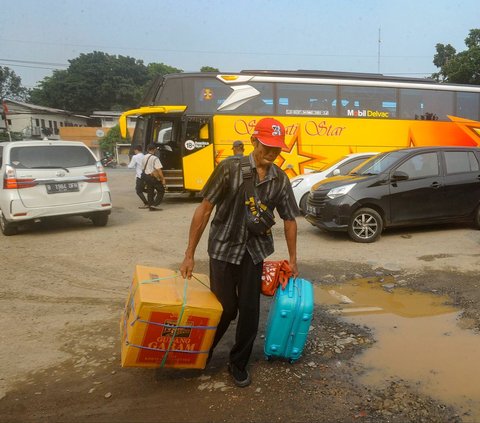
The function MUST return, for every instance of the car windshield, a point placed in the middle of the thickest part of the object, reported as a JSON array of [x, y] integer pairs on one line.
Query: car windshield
[[50, 157], [330, 164], [378, 164]]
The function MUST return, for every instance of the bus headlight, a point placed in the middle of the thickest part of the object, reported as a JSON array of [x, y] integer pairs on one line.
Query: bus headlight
[[338, 192]]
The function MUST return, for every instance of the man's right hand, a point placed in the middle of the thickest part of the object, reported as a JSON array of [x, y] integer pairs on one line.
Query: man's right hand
[[186, 269]]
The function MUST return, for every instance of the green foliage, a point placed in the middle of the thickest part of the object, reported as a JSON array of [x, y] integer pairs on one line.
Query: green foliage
[[99, 81], [14, 136], [108, 142], [208, 69], [462, 67], [11, 85], [155, 69], [94, 81]]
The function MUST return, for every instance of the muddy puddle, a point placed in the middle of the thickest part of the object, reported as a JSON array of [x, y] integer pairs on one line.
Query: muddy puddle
[[419, 338]]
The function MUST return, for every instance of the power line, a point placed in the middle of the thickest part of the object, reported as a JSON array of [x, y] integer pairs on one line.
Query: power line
[[33, 62], [14, 65], [229, 52]]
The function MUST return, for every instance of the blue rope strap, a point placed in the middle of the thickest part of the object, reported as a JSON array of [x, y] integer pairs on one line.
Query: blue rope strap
[[167, 325], [166, 350]]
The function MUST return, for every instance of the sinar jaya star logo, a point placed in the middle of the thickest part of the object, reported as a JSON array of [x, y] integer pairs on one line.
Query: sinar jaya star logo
[[207, 93]]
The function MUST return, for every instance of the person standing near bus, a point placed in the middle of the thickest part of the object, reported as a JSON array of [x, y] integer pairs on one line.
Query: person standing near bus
[[238, 148], [136, 162], [155, 179], [236, 255]]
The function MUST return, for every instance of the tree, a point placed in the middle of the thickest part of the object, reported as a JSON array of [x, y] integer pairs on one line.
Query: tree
[[155, 69], [208, 69], [158, 69], [459, 68], [11, 85], [94, 81], [109, 141]]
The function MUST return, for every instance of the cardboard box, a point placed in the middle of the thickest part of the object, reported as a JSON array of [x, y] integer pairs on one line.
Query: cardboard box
[[168, 322]]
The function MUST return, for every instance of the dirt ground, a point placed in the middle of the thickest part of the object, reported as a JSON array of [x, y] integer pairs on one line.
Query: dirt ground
[[64, 285]]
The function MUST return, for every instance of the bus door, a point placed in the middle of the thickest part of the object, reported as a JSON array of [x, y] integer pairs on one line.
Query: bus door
[[166, 132], [197, 151]]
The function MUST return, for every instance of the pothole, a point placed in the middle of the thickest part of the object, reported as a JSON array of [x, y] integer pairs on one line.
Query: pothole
[[419, 338]]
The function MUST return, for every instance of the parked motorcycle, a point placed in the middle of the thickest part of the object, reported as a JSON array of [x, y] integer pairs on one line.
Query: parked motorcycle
[[109, 161]]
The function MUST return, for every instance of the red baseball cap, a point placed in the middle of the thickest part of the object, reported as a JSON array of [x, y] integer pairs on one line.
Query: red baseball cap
[[270, 132]]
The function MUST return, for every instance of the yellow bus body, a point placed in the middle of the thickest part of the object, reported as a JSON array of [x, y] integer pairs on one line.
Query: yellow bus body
[[313, 142]]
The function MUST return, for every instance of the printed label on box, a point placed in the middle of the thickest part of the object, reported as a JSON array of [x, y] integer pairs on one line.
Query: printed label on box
[[159, 337]]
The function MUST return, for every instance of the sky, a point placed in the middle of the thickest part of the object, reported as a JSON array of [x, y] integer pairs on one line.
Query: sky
[[38, 36]]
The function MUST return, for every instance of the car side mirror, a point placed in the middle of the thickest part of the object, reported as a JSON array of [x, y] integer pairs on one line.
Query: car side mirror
[[398, 175], [336, 172]]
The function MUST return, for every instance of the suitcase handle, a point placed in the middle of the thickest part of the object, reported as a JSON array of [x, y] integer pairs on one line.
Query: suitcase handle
[[291, 287]]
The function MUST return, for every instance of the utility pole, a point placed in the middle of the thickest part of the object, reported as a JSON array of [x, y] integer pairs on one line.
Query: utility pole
[[379, 42], [5, 113]]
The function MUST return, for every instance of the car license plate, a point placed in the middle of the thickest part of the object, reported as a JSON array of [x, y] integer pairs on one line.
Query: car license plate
[[62, 187]]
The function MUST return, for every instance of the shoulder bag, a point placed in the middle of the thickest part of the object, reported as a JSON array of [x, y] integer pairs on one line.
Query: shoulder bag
[[259, 217], [144, 175]]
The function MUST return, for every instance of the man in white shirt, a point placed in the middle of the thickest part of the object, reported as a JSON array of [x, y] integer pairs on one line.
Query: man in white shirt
[[154, 177], [137, 163]]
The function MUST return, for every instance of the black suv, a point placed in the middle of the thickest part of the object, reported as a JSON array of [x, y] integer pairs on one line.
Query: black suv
[[399, 188]]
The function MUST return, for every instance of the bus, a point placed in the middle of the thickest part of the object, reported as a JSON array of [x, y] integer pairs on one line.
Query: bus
[[194, 118]]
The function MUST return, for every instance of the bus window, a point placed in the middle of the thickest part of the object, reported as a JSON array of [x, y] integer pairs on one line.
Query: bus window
[[306, 99], [369, 102], [196, 135], [139, 133], [425, 104], [170, 93], [163, 132], [262, 104], [468, 105]]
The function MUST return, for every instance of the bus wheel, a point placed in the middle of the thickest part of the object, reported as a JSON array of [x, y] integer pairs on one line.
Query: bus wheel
[[366, 225]]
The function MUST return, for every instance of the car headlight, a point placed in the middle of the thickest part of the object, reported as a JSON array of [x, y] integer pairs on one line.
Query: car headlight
[[338, 192], [296, 182]]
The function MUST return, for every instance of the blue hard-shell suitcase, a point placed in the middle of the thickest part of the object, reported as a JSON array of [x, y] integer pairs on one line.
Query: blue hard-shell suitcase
[[289, 320]]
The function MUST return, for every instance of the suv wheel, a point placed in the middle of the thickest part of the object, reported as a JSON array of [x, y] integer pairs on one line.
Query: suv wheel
[[7, 227], [303, 203], [366, 225], [100, 219], [476, 222]]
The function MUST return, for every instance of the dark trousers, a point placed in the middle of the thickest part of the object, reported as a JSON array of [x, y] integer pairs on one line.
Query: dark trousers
[[139, 186], [237, 287], [155, 191]]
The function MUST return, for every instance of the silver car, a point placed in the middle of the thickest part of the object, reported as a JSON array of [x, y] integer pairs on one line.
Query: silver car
[[43, 179], [302, 184]]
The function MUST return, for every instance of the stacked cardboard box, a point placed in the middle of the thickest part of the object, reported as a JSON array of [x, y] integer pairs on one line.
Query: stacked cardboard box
[[168, 321]]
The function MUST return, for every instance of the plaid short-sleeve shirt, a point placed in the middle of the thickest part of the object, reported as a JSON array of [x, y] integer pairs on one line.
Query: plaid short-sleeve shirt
[[229, 237]]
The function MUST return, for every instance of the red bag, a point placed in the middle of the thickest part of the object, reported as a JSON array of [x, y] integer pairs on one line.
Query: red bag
[[275, 273]]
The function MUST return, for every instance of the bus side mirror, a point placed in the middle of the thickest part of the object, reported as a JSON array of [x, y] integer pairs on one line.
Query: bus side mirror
[[204, 134], [399, 176]]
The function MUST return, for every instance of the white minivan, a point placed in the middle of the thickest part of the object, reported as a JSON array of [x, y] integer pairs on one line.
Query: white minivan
[[43, 179], [302, 184]]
